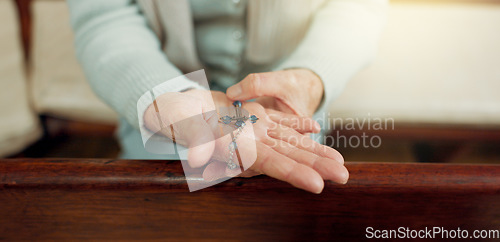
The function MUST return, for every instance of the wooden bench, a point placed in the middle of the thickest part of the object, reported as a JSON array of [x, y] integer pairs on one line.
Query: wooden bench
[[71, 199]]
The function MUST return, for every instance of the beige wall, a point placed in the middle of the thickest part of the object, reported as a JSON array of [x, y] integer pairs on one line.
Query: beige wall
[[438, 64]]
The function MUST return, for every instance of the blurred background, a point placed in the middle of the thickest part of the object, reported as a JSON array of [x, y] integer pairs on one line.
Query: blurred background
[[437, 77]]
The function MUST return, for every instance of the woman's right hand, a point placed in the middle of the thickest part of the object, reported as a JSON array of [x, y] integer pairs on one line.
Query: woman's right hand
[[277, 145]]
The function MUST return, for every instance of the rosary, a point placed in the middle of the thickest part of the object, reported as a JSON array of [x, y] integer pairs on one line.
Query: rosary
[[237, 121]]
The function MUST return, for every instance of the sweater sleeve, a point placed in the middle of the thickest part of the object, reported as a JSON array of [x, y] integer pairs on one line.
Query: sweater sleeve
[[342, 39], [120, 55]]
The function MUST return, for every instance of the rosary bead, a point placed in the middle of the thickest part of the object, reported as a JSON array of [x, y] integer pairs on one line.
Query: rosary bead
[[237, 103], [239, 124], [226, 119], [253, 119]]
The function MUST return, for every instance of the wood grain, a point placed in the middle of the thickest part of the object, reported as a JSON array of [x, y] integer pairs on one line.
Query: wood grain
[[71, 199]]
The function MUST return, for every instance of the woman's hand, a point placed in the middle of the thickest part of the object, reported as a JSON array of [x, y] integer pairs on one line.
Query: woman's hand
[[275, 145], [294, 91]]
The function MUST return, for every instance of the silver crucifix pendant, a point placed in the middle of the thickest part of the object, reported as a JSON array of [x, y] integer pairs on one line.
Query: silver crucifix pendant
[[238, 119]]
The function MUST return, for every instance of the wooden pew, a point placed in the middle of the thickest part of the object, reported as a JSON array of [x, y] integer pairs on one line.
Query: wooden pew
[[74, 199]]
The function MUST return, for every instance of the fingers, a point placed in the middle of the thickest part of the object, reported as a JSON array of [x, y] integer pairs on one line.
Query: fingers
[[300, 124], [278, 166], [328, 168], [281, 132], [256, 85]]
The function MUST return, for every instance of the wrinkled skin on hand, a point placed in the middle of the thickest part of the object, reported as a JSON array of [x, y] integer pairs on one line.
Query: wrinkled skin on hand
[[293, 91]]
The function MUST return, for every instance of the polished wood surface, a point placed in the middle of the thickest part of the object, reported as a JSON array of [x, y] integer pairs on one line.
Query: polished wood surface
[[70, 199]]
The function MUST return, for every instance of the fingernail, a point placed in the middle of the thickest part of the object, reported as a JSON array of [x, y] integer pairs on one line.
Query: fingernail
[[345, 177], [234, 91], [318, 191], [319, 184]]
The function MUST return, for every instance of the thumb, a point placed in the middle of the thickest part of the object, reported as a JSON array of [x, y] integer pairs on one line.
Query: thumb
[[256, 85]]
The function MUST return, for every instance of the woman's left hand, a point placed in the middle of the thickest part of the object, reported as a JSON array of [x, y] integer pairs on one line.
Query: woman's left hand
[[294, 91]]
